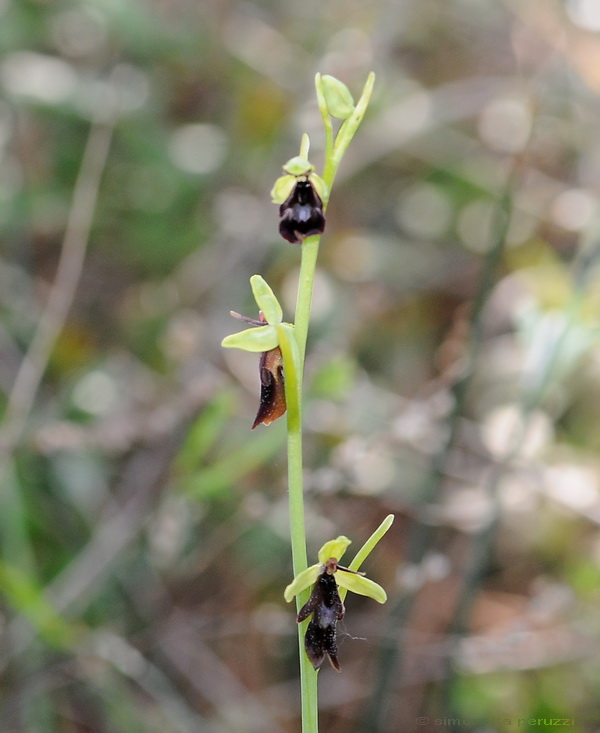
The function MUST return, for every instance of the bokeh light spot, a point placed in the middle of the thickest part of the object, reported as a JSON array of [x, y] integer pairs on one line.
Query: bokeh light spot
[[198, 148]]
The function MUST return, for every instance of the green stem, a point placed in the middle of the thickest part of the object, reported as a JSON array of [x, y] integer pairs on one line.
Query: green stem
[[293, 360], [308, 266], [293, 393]]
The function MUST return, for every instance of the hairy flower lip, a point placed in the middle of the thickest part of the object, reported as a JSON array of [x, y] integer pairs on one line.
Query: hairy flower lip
[[300, 193], [301, 214], [272, 388], [326, 608]]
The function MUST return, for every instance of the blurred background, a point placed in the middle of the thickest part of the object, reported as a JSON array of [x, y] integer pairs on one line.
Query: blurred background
[[453, 373]]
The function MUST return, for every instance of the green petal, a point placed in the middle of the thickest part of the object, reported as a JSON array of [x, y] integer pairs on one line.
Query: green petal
[[320, 186], [301, 581], [337, 97], [257, 340], [298, 166], [361, 585], [266, 300], [334, 548], [282, 188]]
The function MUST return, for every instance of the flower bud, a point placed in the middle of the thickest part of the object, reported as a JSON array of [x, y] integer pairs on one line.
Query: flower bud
[[337, 97]]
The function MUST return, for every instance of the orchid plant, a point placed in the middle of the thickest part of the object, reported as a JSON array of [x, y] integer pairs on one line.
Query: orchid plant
[[302, 196]]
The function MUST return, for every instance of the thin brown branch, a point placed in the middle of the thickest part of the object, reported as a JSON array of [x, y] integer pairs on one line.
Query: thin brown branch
[[62, 292]]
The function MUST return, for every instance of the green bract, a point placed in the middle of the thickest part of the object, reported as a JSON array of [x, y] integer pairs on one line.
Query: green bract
[[337, 97]]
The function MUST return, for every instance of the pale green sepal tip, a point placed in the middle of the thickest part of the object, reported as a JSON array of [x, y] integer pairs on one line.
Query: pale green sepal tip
[[257, 340], [266, 300], [334, 548], [298, 166], [339, 101], [369, 545], [302, 581], [387, 523], [282, 188], [304, 146], [361, 585]]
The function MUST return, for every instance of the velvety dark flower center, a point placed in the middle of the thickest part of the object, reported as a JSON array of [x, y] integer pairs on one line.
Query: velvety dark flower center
[[272, 388], [327, 609], [301, 213]]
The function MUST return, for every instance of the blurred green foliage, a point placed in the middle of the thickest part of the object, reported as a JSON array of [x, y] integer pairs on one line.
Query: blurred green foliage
[[143, 532]]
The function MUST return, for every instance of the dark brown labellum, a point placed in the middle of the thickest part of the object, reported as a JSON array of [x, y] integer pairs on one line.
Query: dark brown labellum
[[272, 388], [327, 609], [301, 213]]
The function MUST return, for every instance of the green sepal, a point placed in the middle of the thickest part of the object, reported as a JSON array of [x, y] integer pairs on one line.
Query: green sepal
[[298, 166], [367, 548], [304, 146], [361, 585], [338, 99], [320, 186], [302, 581], [334, 548], [266, 300], [257, 340], [282, 188], [369, 545]]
